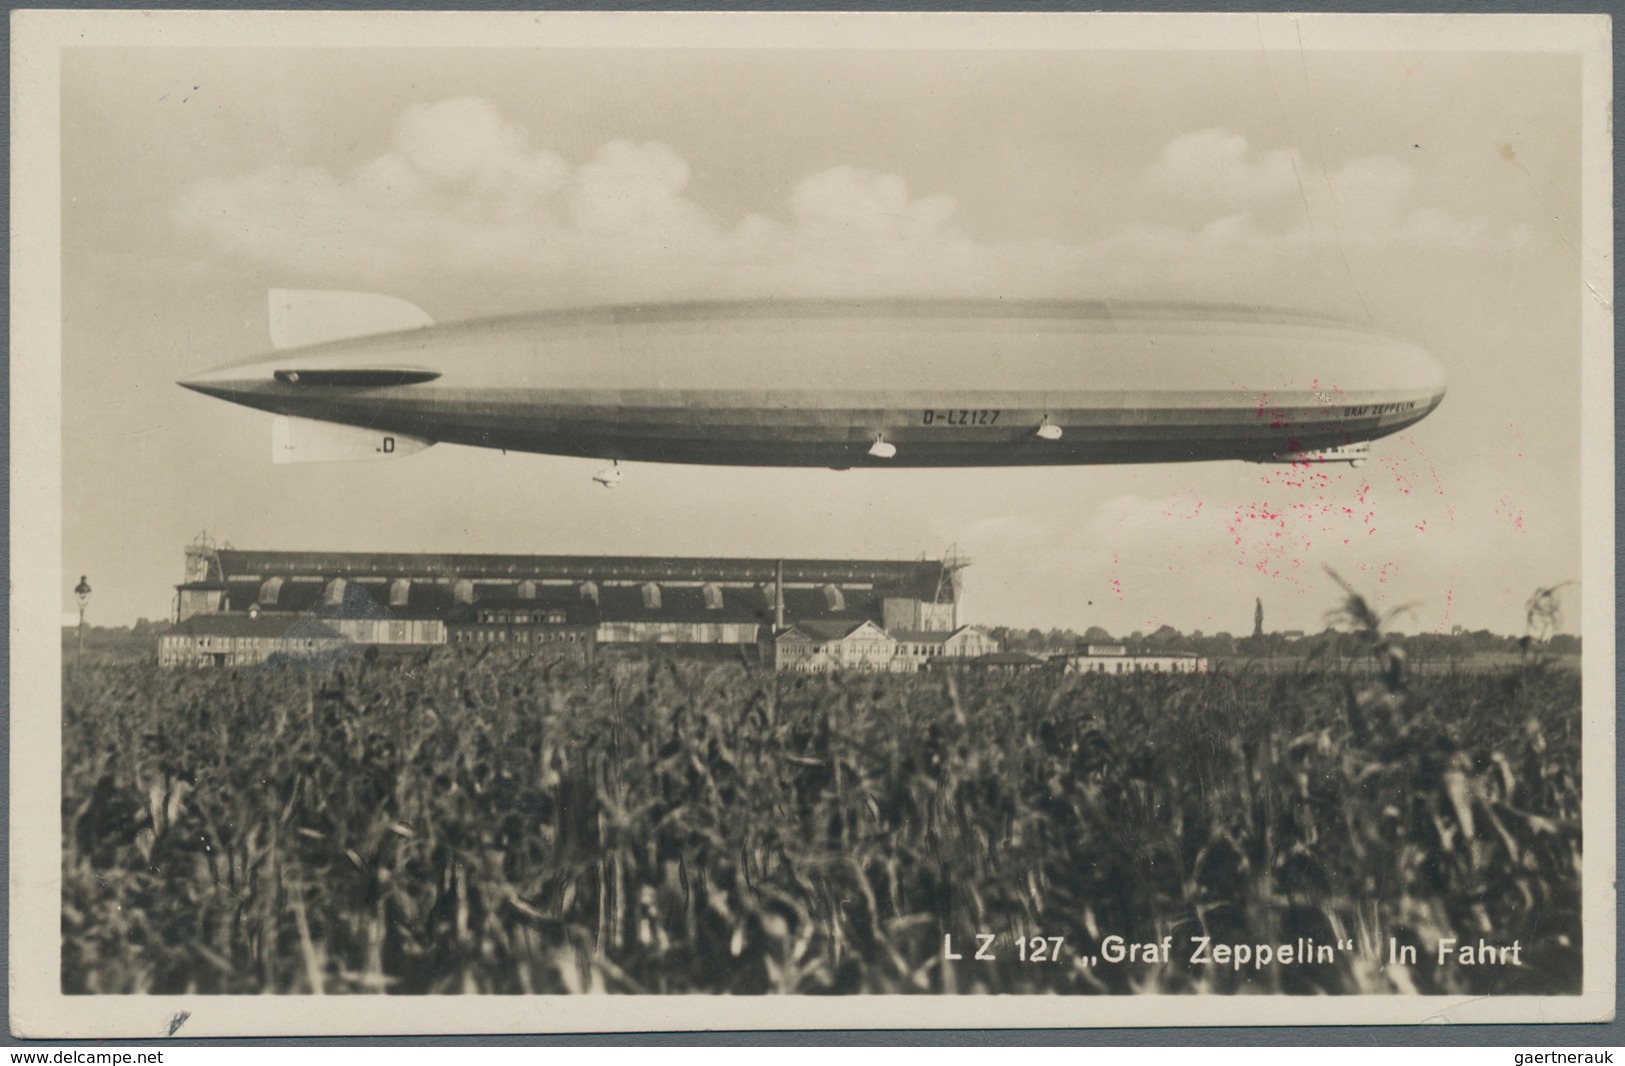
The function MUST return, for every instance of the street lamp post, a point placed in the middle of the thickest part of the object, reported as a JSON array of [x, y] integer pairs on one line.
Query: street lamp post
[[82, 592]]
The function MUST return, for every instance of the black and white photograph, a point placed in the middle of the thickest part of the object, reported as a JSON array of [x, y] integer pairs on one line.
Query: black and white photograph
[[809, 520]]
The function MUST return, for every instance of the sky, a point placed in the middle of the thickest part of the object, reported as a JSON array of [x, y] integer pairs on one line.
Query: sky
[[1428, 195]]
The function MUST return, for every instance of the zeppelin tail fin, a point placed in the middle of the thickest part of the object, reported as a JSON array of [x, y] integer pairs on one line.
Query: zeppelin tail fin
[[317, 316], [304, 440]]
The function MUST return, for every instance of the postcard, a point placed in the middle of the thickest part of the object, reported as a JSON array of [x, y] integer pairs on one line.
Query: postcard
[[569, 522]]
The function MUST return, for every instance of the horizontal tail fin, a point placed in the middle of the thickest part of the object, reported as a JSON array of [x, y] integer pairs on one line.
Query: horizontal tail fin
[[300, 317]]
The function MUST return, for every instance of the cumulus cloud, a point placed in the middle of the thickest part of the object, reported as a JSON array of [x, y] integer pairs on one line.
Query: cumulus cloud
[[1365, 201], [1218, 165], [455, 139], [845, 202], [463, 191]]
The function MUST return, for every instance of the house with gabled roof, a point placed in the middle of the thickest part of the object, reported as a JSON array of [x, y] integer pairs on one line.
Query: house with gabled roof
[[917, 648], [818, 646]]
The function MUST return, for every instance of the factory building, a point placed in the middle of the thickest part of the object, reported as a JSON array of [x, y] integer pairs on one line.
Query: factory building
[[411, 600], [526, 622]]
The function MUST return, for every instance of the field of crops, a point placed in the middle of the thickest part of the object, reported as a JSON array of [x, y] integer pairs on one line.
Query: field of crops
[[469, 822]]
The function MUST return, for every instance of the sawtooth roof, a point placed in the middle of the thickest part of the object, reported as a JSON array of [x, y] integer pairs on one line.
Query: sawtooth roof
[[920, 579]]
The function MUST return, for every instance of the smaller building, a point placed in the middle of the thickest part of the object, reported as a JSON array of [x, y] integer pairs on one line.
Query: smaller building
[[918, 648], [819, 646], [1117, 659], [236, 640], [815, 646], [1005, 662]]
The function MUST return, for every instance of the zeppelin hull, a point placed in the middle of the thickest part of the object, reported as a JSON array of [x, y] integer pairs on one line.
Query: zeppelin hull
[[992, 433], [941, 385]]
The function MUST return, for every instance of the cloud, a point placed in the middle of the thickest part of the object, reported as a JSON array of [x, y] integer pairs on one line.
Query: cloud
[[1218, 165], [463, 192], [1366, 201], [845, 203], [456, 139]]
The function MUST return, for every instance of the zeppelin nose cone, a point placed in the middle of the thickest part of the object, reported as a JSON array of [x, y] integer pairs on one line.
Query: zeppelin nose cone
[[207, 387], [237, 382]]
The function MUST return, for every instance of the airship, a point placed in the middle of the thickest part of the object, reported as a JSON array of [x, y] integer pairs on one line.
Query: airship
[[855, 383]]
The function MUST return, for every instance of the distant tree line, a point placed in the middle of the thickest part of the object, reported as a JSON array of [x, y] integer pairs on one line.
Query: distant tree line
[[141, 640], [1329, 645]]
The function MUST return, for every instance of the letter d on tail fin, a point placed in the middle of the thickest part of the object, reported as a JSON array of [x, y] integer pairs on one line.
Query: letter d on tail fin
[[315, 316], [303, 440]]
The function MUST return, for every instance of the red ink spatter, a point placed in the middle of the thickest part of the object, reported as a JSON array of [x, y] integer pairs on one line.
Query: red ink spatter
[[1433, 471], [1383, 572], [1502, 507], [1308, 506], [1277, 539], [1392, 462], [1278, 419], [1449, 600], [1513, 426], [1168, 512]]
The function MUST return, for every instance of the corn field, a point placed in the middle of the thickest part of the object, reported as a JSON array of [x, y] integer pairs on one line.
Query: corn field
[[490, 822]]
